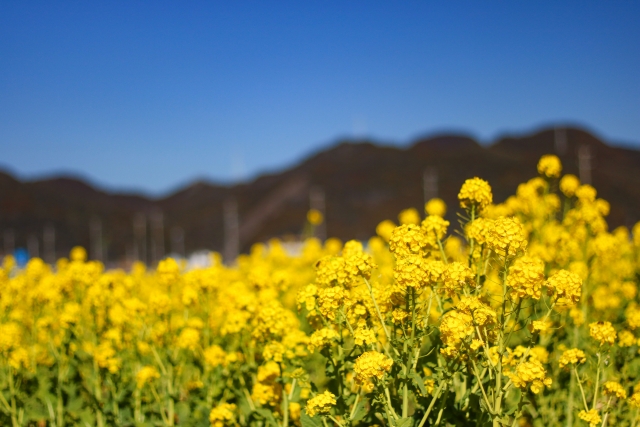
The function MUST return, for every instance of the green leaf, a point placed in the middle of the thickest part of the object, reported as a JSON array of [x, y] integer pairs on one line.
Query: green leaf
[[329, 369], [360, 411], [405, 422], [308, 421], [268, 416], [183, 411], [75, 405], [417, 380], [505, 421]]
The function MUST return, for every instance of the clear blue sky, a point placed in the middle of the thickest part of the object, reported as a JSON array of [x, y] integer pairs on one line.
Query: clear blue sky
[[150, 95]]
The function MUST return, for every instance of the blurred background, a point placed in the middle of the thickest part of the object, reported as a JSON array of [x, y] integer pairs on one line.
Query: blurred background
[[140, 129]]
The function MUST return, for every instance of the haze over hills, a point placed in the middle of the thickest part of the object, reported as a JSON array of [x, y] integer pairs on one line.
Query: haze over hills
[[363, 183]]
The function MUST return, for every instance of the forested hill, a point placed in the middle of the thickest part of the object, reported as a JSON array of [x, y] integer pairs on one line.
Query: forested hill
[[363, 183]]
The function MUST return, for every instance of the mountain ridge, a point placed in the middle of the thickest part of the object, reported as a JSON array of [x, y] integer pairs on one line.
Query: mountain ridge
[[363, 183]]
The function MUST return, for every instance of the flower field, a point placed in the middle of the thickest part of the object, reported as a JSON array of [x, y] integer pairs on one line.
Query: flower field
[[523, 313]]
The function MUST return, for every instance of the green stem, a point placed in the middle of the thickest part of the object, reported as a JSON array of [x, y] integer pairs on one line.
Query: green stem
[[285, 409], [384, 326], [442, 253], [569, 410], [347, 321], [334, 420], [472, 242], [595, 392], [433, 401], [355, 406], [388, 396], [159, 401], [12, 391], [606, 412], [59, 405], [441, 411], [484, 394], [137, 411], [584, 397]]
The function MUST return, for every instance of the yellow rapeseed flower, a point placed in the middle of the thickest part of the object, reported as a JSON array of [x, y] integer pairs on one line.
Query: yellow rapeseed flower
[[475, 192], [507, 237], [550, 166], [572, 356], [569, 184], [146, 375], [435, 206], [591, 416], [321, 404], [223, 415], [602, 332]]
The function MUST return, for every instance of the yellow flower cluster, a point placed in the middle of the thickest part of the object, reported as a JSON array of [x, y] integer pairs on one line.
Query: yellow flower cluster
[[481, 313], [506, 237], [479, 229], [223, 415], [371, 365], [266, 390], [409, 216], [385, 229], [573, 356], [146, 375], [550, 166], [406, 240], [363, 336], [602, 332], [315, 217], [626, 339], [456, 277], [322, 338], [591, 416], [321, 404], [420, 318], [434, 228], [530, 373], [569, 184], [526, 277], [613, 388], [436, 206], [475, 193], [455, 327], [566, 285], [410, 273]]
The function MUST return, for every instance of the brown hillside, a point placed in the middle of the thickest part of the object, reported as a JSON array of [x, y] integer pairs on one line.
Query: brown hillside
[[363, 183]]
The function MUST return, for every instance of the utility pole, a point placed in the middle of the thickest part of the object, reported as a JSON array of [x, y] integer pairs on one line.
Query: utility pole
[[95, 235], [33, 246], [430, 183], [317, 201], [231, 231], [177, 241], [560, 140], [9, 242], [157, 236], [584, 163], [140, 237], [49, 244]]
